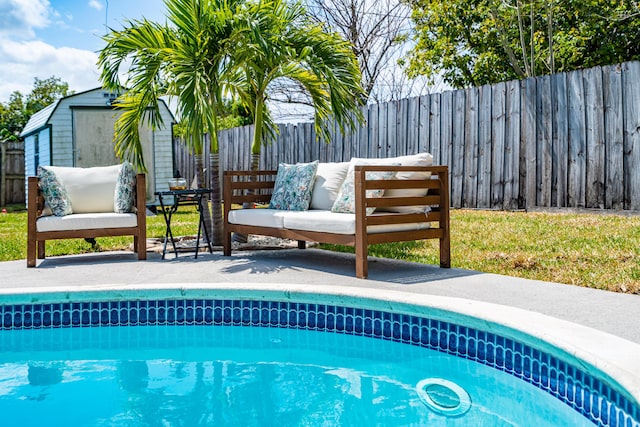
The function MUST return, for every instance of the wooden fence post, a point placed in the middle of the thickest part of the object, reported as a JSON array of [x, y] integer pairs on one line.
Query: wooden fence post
[[3, 173]]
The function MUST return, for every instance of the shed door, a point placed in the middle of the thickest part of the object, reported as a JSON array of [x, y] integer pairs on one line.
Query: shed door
[[93, 131]]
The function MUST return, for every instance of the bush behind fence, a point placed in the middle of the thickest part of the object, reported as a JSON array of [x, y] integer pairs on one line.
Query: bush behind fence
[[564, 140]]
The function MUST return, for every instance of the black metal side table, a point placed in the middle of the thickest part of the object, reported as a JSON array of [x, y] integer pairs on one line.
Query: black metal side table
[[181, 196]]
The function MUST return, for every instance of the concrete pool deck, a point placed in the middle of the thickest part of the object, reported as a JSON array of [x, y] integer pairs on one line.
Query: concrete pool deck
[[614, 313]]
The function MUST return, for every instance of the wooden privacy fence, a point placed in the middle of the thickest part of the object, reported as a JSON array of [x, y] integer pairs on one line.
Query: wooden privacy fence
[[565, 140], [12, 188]]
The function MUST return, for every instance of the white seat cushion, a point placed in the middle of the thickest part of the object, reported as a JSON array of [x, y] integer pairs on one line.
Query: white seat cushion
[[86, 221], [322, 221], [329, 179], [340, 223], [90, 190], [259, 217]]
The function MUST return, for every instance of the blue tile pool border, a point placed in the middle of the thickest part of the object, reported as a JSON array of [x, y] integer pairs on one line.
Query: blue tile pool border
[[593, 398]]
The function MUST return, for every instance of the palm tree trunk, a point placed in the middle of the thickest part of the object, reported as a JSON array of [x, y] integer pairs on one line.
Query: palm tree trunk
[[255, 162], [216, 200], [206, 213]]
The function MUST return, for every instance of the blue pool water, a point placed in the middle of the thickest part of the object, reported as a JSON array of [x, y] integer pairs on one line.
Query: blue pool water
[[181, 361], [230, 375]]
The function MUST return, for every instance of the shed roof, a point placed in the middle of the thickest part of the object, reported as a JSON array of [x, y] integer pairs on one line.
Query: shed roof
[[39, 120]]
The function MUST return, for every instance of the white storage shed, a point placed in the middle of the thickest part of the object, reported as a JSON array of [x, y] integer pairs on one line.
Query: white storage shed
[[78, 131]]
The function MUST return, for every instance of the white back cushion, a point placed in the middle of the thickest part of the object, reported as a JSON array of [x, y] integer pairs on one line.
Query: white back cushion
[[90, 190], [329, 179]]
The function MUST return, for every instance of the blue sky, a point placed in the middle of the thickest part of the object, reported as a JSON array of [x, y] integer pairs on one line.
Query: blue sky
[[42, 38]]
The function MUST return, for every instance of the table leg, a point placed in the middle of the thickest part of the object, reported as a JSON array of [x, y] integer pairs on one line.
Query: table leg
[[167, 212], [206, 235], [201, 226]]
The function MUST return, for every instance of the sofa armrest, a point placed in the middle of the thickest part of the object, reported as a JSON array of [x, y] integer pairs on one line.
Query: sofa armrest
[[35, 204], [141, 203], [436, 196], [437, 199], [35, 199], [420, 192]]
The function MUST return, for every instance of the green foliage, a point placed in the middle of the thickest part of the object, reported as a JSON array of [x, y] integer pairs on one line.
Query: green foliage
[[182, 58], [475, 42], [46, 92], [15, 114], [210, 48], [13, 117], [233, 114]]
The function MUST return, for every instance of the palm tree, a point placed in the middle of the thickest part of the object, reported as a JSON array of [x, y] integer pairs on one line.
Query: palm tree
[[276, 39], [213, 47], [183, 58]]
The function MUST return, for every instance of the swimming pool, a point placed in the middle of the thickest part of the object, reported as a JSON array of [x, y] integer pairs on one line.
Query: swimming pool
[[394, 317]]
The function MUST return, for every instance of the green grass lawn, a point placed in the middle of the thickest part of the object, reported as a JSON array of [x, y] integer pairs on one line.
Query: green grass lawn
[[594, 250]]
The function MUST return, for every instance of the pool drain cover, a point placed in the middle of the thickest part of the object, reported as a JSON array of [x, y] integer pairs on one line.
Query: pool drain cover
[[444, 397]]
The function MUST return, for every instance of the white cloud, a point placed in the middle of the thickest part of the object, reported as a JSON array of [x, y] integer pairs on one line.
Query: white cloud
[[44, 38], [25, 60], [19, 18], [97, 5]]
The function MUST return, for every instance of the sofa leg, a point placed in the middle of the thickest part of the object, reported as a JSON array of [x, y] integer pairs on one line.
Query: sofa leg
[[140, 246], [31, 253], [362, 267], [41, 249], [302, 244], [226, 243], [445, 253]]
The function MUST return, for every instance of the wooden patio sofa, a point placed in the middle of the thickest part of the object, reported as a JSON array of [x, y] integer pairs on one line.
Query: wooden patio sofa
[[359, 229]]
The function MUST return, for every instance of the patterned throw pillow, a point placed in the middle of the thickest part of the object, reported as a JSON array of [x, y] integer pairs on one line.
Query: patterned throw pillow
[[346, 200], [293, 187], [124, 199], [55, 194]]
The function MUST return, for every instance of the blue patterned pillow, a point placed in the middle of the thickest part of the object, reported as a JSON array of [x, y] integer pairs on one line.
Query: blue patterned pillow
[[346, 200], [293, 186], [124, 198], [55, 194]]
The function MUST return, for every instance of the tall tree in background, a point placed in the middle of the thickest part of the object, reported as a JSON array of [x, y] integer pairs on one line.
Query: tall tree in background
[[275, 41], [15, 113], [377, 31], [46, 92], [379, 36], [13, 117], [475, 42]]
